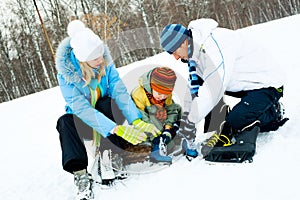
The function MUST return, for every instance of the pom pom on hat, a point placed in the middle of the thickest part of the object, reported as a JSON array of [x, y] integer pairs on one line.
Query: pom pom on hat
[[86, 44], [172, 36], [162, 80], [74, 27]]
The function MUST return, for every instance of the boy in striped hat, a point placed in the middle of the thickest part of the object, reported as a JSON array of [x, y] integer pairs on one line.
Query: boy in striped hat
[[153, 97]]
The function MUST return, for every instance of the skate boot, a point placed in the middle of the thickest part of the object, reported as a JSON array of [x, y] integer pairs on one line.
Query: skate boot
[[159, 151], [216, 140], [84, 183], [189, 148], [118, 167], [241, 151], [223, 138], [187, 133], [105, 168]]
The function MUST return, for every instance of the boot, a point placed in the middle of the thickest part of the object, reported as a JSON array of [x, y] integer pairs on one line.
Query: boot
[[159, 151], [241, 151], [84, 183]]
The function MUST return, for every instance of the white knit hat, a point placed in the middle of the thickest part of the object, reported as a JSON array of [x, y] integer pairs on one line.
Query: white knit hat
[[86, 44]]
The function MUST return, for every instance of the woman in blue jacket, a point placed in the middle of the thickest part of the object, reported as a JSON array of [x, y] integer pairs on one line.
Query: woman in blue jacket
[[92, 89]]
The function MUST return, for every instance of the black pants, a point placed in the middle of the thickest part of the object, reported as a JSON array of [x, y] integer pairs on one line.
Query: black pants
[[259, 104], [72, 132]]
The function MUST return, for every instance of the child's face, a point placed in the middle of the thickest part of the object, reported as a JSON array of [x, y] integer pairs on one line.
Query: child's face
[[158, 96]]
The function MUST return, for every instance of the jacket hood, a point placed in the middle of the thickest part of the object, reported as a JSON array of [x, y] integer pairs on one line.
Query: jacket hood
[[68, 65], [203, 28], [144, 81]]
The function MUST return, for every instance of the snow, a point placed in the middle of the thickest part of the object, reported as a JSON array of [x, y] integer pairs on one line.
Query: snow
[[31, 157]]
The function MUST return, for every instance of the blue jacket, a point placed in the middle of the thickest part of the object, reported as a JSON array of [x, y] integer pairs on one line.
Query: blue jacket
[[78, 97]]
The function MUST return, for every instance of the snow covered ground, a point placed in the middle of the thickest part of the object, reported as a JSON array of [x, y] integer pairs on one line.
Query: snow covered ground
[[30, 152]]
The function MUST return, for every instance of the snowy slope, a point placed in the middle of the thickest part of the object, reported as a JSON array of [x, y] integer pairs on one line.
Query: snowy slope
[[31, 157]]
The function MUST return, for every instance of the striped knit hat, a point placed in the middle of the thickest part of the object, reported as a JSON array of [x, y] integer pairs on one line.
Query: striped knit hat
[[172, 36], [162, 80]]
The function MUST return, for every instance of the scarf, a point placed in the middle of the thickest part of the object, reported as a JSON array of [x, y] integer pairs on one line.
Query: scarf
[[95, 95], [195, 81], [161, 112]]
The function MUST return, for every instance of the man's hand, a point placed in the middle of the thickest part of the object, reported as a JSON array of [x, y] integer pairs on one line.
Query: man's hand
[[186, 128]]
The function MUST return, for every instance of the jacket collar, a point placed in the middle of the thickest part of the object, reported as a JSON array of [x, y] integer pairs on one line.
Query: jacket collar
[[144, 81], [66, 63]]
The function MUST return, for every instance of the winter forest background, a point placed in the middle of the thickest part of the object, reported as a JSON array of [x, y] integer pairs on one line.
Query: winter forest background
[[131, 28]]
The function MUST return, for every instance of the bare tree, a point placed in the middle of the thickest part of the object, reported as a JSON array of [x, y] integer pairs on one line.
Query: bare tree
[[131, 28]]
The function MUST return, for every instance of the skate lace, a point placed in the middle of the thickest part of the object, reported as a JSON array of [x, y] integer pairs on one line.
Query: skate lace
[[192, 144], [215, 138], [107, 162], [162, 147]]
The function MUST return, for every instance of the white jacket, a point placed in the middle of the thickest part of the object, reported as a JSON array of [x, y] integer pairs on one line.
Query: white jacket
[[227, 61]]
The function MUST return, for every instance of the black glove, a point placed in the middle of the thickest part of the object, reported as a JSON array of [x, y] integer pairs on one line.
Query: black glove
[[186, 128], [166, 135]]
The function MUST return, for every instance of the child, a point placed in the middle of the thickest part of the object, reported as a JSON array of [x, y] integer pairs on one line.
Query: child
[[153, 97]]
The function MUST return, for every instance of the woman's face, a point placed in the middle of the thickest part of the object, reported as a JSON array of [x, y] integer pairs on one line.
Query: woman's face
[[96, 62], [158, 96]]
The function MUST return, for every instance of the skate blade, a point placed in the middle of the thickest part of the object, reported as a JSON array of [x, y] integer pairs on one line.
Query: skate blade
[[155, 162], [106, 184], [190, 158], [122, 176], [246, 162]]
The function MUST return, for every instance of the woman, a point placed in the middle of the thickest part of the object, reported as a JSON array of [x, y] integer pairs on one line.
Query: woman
[[92, 88]]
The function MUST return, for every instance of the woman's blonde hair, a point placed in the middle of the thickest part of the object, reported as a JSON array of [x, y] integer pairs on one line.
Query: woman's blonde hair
[[88, 72]]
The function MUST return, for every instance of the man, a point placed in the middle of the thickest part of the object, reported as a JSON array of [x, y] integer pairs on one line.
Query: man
[[222, 60]]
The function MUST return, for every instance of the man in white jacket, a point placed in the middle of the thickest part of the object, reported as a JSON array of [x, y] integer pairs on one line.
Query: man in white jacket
[[225, 61]]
